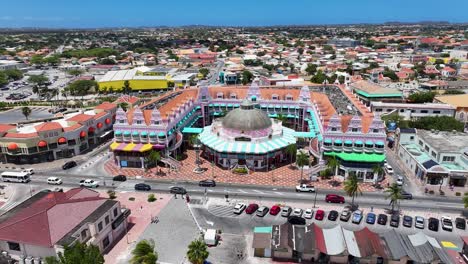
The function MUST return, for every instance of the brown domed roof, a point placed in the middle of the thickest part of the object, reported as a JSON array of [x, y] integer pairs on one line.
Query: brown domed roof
[[246, 118]]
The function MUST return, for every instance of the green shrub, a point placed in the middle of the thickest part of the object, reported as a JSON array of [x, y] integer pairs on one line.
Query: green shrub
[[131, 199], [111, 194], [240, 170], [457, 194], [151, 198]]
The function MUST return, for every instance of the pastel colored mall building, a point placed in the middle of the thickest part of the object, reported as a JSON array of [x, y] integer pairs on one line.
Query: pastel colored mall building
[[251, 127]]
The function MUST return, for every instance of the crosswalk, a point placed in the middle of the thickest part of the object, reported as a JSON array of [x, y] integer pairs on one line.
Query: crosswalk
[[221, 211]]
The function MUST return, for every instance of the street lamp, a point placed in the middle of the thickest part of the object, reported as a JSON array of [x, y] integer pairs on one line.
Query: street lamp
[[315, 198]]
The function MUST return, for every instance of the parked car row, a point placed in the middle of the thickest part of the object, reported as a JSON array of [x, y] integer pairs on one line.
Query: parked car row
[[356, 217]]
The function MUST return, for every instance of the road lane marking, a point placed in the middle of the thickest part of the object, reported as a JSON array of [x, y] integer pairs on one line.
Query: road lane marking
[[257, 191]]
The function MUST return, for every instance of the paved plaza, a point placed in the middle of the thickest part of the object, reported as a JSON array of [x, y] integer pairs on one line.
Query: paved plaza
[[284, 176]]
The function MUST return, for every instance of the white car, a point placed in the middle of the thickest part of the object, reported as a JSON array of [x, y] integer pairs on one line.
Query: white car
[[399, 181], [54, 180], [89, 183], [29, 171], [239, 208], [308, 213], [419, 222], [297, 212], [447, 223], [389, 169]]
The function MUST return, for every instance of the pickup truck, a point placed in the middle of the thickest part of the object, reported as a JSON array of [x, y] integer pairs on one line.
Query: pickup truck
[[305, 188], [89, 183]]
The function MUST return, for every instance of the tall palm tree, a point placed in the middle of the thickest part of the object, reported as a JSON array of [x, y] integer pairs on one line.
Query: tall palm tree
[[394, 194], [197, 252], [352, 188], [26, 111], [333, 164], [302, 159], [282, 118], [291, 150], [144, 253], [153, 158]]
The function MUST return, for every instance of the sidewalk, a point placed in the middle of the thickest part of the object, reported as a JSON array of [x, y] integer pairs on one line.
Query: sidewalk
[[284, 176]]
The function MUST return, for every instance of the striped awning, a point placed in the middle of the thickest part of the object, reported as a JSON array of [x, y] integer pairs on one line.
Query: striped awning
[[130, 147]]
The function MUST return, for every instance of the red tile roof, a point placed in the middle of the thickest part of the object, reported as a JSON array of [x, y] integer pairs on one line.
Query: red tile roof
[[71, 128], [80, 118], [48, 126], [5, 127], [20, 135], [44, 221], [106, 106]]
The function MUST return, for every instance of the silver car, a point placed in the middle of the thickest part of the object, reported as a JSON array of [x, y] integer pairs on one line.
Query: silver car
[[419, 222], [297, 212]]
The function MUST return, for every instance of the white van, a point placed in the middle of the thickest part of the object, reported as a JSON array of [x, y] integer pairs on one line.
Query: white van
[[29, 171], [389, 169], [54, 180]]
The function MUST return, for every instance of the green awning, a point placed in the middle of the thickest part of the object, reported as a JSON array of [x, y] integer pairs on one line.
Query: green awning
[[229, 105], [152, 134], [222, 104], [328, 140], [127, 133], [144, 134], [236, 105], [135, 134], [310, 134], [285, 106], [277, 106], [210, 105], [290, 116], [380, 143], [358, 142], [271, 106], [192, 130], [198, 107], [161, 134], [338, 141], [348, 142], [118, 133], [357, 157], [273, 115], [216, 105], [369, 143], [263, 106]]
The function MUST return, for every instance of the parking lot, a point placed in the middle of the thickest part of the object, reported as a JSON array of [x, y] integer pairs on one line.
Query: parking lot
[[15, 115]]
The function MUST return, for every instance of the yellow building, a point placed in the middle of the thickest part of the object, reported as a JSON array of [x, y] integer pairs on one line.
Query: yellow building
[[116, 79]]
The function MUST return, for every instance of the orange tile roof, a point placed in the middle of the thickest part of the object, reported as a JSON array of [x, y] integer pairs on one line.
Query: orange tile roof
[[71, 128], [167, 108], [324, 105], [345, 120], [6, 127], [106, 106], [20, 135], [48, 126], [80, 118], [97, 116], [241, 92]]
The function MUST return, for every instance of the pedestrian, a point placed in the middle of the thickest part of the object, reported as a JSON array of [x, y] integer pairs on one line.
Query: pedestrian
[[141, 207], [372, 208]]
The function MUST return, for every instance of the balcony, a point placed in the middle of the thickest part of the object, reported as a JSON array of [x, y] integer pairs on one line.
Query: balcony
[[348, 146], [337, 145], [358, 146], [369, 147]]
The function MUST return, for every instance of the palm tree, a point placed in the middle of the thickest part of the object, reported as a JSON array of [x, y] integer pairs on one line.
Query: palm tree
[[124, 106], [351, 187], [153, 158], [197, 252], [302, 159], [282, 118], [394, 194], [333, 164], [291, 150], [26, 111], [378, 170], [144, 253]]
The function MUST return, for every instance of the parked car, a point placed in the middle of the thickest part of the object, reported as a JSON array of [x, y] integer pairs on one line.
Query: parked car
[[399, 180], [333, 215], [433, 224], [275, 209], [239, 208], [308, 213], [395, 220], [286, 211], [419, 222], [370, 219], [89, 183], [447, 224], [407, 221], [262, 211], [177, 190], [297, 212], [406, 195], [357, 217], [345, 215], [120, 178], [382, 219], [251, 208], [296, 220], [334, 198], [460, 223], [54, 180], [305, 188], [142, 187], [389, 169], [69, 165], [207, 183], [319, 215]]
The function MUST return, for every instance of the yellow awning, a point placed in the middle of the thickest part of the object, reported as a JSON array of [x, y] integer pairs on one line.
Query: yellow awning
[[129, 147], [114, 145], [146, 147]]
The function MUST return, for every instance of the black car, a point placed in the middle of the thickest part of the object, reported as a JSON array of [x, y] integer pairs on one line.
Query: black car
[[178, 190], [395, 220], [207, 183], [296, 220], [382, 219], [120, 178], [69, 165], [407, 221], [433, 224], [142, 187], [333, 215], [406, 195], [460, 223]]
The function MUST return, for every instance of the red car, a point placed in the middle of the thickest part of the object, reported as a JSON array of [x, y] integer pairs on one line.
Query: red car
[[334, 198], [251, 208], [319, 215], [275, 210]]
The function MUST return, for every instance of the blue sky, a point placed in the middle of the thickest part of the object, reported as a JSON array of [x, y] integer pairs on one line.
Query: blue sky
[[120, 13]]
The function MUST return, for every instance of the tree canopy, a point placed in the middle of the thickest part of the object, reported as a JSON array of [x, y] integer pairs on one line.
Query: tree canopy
[[3, 78], [14, 74], [77, 254], [94, 52], [422, 97], [197, 252], [247, 77], [144, 253], [82, 87], [320, 77], [204, 72]]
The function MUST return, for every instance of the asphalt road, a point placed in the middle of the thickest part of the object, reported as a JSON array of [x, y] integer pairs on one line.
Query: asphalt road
[[377, 200]]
